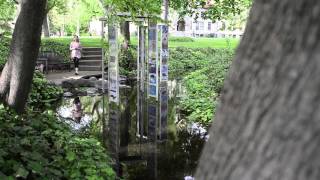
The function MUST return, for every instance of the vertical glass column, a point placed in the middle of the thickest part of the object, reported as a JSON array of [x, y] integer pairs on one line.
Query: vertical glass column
[[152, 160], [164, 55], [153, 60], [141, 59], [113, 65], [163, 123]]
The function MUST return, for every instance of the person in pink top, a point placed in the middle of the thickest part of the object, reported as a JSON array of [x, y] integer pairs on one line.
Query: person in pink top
[[75, 48], [77, 110]]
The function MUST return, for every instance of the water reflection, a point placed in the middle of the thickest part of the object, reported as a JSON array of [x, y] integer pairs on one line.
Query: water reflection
[[141, 135], [77, 110], [152, 140], [149, 145], [113, 136], [163, 112]]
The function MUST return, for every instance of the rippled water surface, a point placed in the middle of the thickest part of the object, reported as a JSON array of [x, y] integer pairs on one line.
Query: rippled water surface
[[146, 138]]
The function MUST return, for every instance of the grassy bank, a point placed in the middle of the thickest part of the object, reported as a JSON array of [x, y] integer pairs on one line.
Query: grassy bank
[[85, 41], [202, 71], [201, 43], [173, 42]]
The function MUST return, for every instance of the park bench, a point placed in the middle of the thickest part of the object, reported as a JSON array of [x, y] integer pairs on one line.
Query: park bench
[[49, 60]]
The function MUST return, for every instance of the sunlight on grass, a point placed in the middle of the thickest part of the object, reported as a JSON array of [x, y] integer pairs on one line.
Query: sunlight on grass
[[85, 41], [197, 43]]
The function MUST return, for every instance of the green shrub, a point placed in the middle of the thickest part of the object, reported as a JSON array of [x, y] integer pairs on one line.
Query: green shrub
[[202, 72], [4, 50], [181, 39], [128, 61], [43, 94], [38, 146], [184, 60], [46, 45], [57, 47]]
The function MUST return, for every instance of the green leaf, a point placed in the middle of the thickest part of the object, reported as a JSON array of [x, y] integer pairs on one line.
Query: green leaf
[[71, 156], [22, 172], [36, 167]]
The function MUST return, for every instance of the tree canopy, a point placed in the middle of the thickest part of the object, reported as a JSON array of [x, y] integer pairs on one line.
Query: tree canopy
[[214, 9]]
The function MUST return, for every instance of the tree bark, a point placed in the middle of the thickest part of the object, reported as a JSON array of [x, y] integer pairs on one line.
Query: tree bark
[[165, 10], [267, 123], [16, 77], [125, 31], [45, 27]]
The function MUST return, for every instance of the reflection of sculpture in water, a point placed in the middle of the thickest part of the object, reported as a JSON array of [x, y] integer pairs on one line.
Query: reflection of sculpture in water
[[77, 109]]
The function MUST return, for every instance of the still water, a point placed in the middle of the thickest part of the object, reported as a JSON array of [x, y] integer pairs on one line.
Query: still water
[[147, 139]]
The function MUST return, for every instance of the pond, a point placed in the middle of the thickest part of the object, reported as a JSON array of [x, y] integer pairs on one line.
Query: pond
[[147, 139]]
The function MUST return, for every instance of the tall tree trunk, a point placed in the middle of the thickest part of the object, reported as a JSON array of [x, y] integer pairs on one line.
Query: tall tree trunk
[[16, 77], [45, 26], [267, 123], [165, 10], [125, 31]]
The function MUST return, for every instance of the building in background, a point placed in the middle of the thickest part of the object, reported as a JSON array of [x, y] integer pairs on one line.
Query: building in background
[[191, 27], [187, 27]]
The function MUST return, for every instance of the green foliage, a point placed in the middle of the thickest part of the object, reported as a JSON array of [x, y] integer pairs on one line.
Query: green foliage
[[127, 61], [202, 72], [74, 12], [43, 94], [200, 43], [215, 9], [181, 39], [58, 47], [38, 146], [58, 4], [4, 50], [186, 60], [150, 8], [61, 49], [6, 15], [85, 41]]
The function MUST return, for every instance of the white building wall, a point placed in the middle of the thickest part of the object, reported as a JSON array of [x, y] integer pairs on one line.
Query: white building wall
[[199, 28]]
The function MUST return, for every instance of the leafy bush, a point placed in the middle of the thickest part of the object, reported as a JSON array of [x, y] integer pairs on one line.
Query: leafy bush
[[42, 93], [4, 50], [38, 146], [181, 39], [186, 60], [128, 61], [202, 72], [57, 47], [46, 45]]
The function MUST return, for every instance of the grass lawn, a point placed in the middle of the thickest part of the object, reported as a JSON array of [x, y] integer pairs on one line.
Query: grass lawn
[[85, 41], [202, 43], [197, 43]]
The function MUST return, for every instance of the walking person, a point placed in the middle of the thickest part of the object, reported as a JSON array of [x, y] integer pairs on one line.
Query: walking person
[[75, 48]]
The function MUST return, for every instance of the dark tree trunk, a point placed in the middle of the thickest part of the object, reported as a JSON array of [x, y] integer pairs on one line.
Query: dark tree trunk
[[16, 77], [45, 27], [267, 123], [125, 31]]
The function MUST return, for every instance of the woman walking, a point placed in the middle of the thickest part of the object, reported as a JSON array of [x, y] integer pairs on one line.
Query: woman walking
[[75, 48]]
